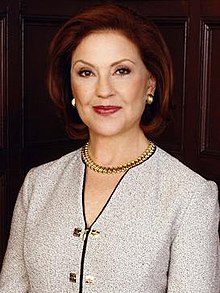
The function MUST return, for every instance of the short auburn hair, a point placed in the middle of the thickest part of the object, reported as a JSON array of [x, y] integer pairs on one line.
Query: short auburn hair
[[143, 33]]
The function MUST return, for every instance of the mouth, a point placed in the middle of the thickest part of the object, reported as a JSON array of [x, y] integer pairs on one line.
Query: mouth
[[106, 110]]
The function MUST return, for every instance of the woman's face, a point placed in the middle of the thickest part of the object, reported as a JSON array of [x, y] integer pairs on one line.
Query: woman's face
[[109, 82]]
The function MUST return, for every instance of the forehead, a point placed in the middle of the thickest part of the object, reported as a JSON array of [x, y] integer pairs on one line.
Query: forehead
[[106, 45]]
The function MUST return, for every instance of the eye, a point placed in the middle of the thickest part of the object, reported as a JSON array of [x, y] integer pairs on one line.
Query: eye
[[123, 71], [85, 73]]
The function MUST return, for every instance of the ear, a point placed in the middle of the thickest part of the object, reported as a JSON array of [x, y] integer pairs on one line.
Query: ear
[[151, 85]]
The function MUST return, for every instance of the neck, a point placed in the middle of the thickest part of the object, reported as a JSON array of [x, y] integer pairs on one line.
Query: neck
[[112, 151]]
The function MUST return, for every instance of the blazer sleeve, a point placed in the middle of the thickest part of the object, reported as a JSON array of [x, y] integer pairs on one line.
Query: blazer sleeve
[[14, 277], [195, 257]]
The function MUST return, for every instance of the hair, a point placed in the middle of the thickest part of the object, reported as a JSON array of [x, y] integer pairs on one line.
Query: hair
[[143, 33]]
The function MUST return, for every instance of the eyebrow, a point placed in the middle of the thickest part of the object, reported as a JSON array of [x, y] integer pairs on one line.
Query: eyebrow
[[113, 64]]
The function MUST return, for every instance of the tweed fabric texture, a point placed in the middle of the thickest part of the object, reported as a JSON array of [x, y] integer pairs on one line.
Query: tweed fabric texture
[[158, 232]]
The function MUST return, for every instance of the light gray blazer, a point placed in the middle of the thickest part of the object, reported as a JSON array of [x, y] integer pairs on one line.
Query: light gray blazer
[[157, 233]]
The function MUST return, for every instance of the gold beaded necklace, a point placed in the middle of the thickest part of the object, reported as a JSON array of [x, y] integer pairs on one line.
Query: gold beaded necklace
[[115, 170]]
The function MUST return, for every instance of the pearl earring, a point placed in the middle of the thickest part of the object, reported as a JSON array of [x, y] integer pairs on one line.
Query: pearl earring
[[149, 99], [73, 102]]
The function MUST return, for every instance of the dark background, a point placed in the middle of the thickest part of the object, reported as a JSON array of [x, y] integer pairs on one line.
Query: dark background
[[30, 131]]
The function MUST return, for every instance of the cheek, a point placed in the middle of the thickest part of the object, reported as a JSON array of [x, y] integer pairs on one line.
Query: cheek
[[81, 90], [77, 91], [76, 85], [129, 88], [141, 83], [137, 91], [73, 86]]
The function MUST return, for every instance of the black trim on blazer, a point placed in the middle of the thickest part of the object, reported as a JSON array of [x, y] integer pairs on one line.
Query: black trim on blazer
[[88, 229]]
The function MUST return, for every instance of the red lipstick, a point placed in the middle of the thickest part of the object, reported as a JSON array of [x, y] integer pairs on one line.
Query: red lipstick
[[106, 110]]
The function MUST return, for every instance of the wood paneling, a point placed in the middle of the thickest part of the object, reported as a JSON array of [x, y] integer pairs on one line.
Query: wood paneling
[[176, 29], [210, 89], [3, 214], [40, 122], [43, 132], [210, 8], [209, 147], [3, 134], [3, 103]]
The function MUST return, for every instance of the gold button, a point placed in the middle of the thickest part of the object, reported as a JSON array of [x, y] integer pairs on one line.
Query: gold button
[[72, 277], [89, 279], [77, 232], [95, 233]]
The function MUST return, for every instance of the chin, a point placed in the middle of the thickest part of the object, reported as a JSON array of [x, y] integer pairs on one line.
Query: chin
[[107, 131]]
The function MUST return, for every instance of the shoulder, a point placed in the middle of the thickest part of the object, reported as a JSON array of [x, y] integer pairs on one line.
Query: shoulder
[[175, 171], [57, 165], [182, 190], [54, 170], [178, 182], [43, 179]]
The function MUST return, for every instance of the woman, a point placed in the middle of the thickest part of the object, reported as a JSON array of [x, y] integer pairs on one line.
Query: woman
[[120, 214]]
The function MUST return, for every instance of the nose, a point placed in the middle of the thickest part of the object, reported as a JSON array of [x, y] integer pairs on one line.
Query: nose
[[104, 88]]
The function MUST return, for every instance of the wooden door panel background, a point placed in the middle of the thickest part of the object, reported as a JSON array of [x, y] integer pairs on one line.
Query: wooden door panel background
[[209, 138], [31, 132]]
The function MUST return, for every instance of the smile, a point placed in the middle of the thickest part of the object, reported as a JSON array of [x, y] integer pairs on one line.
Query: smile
[[106, 110]]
